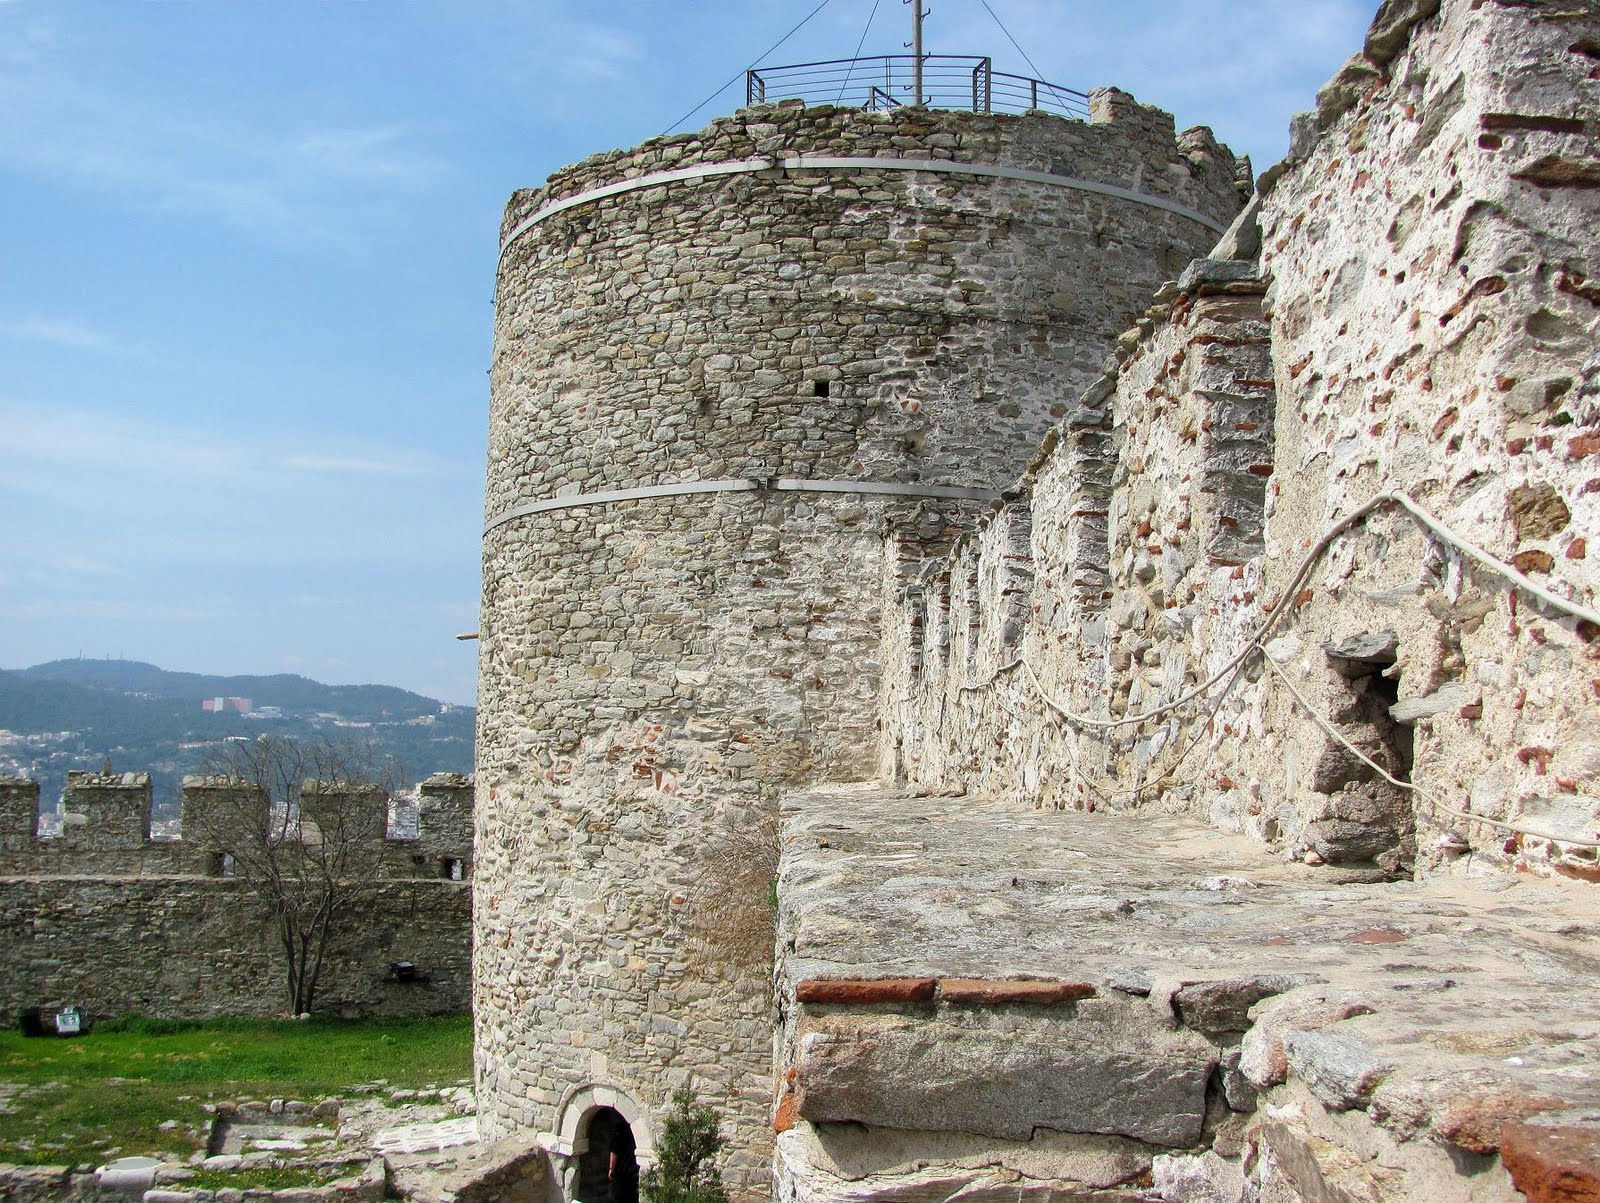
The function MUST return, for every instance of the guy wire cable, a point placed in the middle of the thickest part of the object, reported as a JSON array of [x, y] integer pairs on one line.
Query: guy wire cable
[[751, 67]]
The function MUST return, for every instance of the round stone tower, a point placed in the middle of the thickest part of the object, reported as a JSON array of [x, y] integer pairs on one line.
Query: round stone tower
[[726, 364]]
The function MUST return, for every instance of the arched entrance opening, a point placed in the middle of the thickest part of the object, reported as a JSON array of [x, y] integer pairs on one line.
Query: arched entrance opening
[[608, 1169], [593, 1122]]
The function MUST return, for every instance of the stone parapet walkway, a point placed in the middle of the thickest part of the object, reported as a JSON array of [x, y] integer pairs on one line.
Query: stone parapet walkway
[[1144, 1005]]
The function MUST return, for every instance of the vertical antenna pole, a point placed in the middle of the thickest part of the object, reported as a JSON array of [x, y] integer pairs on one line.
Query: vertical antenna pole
[[916, 49]]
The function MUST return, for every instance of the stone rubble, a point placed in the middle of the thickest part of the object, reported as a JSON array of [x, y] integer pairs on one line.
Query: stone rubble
[[1213, 1030]]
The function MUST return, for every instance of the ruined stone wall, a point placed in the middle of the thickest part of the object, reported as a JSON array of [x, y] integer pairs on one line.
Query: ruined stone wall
[[1427, 327], [838, 346], [1429, 249], [1399, 699], [106, 918], [1115, 580]]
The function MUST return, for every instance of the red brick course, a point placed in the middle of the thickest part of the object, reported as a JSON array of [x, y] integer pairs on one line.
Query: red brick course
[[1553, 1165], [970, 990], [988, 992], [880, 990]]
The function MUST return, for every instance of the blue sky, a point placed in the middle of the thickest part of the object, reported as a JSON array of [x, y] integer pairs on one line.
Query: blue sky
[[246, 274]]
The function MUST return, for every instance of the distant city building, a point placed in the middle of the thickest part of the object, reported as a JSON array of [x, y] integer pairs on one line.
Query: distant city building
[[218, 705]]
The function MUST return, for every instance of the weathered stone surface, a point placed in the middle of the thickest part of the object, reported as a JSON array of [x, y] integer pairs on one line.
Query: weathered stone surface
[[1340, 94], [855, 1164], [1447, 699], [1261, 1055], [1477, 1122], [1110, 548], [987, 992], [1146, 556], [1243, 239], [128, 1176], [948, 1077], [1295, 1164], [1375, 647], [1391, 28], [1217, 271], [1560, 171], [1202, 1178], [1340, 1070], [993, 892], [508, 1172], [1428, 326], [1222, 1006], [1537, 511], [654, 672], [1239, 1091]]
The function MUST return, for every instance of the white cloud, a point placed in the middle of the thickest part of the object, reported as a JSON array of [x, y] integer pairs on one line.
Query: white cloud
[[351, 464], [73, 335], [63, 456], [376, 153], [598, 51], [256, 168], [101, 610], [81, 441]]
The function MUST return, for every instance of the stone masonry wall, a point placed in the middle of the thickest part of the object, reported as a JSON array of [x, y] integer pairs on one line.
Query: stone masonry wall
[[195, 948], [106, 918], [1404, 316], [1429, 249], [1116, 578], [654, 670], [1426, 327]]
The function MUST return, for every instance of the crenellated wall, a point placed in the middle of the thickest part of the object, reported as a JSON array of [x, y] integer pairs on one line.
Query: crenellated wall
[[1405, 308], [1115, 579], [1309, 565], [107, 918], [1305, 559]]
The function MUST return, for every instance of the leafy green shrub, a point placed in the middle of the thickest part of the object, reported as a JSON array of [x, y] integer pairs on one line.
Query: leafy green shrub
[[685, 1170]]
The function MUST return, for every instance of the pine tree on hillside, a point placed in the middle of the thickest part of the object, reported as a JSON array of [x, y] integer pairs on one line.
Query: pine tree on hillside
[[685, 1170]]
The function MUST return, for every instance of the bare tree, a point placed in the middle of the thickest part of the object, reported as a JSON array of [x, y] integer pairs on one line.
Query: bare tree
[[301, 824]]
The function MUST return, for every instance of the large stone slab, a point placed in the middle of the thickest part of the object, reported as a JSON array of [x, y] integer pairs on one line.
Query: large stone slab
[[1004, 1080], [1196, 942]]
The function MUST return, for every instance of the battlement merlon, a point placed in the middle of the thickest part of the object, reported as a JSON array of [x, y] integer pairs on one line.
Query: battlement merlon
[[111, 814], [105, 811], [19, 813], [445, 816]]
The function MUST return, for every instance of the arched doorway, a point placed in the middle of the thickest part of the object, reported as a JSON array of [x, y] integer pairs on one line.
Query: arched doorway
[[608, 1170], [592, 1122]]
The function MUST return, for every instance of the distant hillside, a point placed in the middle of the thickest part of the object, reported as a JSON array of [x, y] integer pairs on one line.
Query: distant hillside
[[71, 714], [285, 690]]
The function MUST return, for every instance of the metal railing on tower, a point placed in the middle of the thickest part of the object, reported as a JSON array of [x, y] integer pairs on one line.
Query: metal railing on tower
[[949, 81]]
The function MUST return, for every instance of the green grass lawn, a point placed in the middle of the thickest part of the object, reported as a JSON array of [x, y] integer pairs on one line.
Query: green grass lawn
[[81, 1100]]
